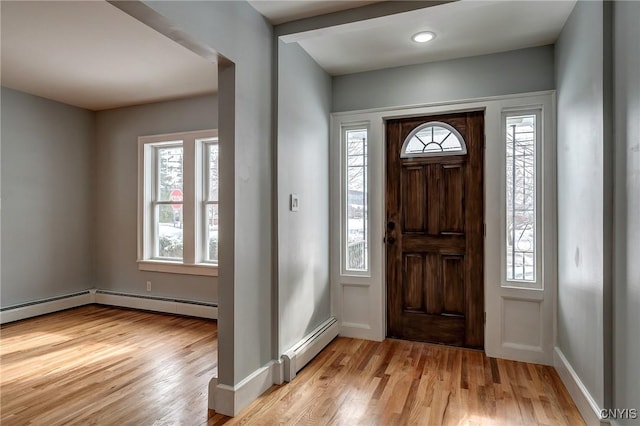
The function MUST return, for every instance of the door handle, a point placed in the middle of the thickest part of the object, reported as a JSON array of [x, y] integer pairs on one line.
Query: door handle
[[391, 240], [391, 226]]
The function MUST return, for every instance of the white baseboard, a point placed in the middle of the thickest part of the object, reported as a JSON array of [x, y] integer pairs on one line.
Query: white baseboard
[[584, 401], [522, 353], [87, 297], [42, 307], [168, 306], [360, 331], [307, 348], [230, 400]]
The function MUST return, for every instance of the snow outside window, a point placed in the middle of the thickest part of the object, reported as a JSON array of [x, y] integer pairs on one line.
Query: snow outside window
[[178, 203], [522, 228], [356, 212]]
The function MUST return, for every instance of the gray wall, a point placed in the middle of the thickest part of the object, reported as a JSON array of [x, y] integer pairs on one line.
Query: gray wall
[[115, 195], [304, 98], [238, 32], [627, 206], [519, 71], [580, 145], [46, 196]]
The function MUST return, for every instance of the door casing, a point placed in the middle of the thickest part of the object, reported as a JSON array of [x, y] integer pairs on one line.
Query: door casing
[[358, 301]]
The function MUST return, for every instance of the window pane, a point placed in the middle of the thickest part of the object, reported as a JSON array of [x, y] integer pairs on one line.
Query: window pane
[[212, 152], [356, 202], [521, 198], [169, 234], [169, 173], [433, 138], [212, 233]]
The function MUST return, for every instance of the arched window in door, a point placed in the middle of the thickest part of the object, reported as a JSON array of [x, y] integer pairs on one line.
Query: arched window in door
[[431, 139]]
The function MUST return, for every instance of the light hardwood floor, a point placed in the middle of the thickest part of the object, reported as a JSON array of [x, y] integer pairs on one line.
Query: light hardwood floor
[[106, 366]]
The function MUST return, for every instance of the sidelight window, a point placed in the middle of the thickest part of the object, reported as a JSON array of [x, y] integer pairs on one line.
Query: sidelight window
[[356, 229], [521, 140]]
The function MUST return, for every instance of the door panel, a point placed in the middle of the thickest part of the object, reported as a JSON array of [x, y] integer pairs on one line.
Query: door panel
[[414, 279], [452, 196], [434, 236], [453, 283], [434, 291], [433, 196], [415, 189]]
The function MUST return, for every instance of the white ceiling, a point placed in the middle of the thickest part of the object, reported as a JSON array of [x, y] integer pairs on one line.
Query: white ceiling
[[462, 28], [278, 12], [92, 55]]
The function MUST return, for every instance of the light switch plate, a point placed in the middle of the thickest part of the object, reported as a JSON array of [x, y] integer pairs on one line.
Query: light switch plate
[[294, 203]]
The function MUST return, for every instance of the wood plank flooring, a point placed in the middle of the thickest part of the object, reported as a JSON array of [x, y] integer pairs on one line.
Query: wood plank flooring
[[106, 366], [356, 382]]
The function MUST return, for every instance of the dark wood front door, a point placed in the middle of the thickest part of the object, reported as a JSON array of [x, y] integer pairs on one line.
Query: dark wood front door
[[434, 236]]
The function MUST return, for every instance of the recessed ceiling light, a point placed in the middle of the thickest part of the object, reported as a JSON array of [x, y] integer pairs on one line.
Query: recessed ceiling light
[[423, 37]]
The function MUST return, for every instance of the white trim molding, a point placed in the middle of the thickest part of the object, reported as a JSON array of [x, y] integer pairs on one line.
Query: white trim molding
[[230, 400], [579, 393], [45, 306], [157, 304], [519, 321], [122, 300], [308, 347], [178, 268]]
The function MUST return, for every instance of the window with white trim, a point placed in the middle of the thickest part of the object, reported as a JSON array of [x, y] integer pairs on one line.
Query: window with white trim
[[178, 203], [431, 139], [521, 132], [355, 211], [210, 202]]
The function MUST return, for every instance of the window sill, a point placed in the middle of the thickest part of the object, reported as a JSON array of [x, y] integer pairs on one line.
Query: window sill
[[178, 268], [523, 293]]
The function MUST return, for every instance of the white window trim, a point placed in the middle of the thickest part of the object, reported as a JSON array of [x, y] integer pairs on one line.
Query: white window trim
[[414, 132], [359, 302], [204, 201], [193, 174], [538, 283], [343, 204]]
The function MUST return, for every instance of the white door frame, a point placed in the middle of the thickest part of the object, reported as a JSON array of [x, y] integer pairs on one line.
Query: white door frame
[[519, 321]]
